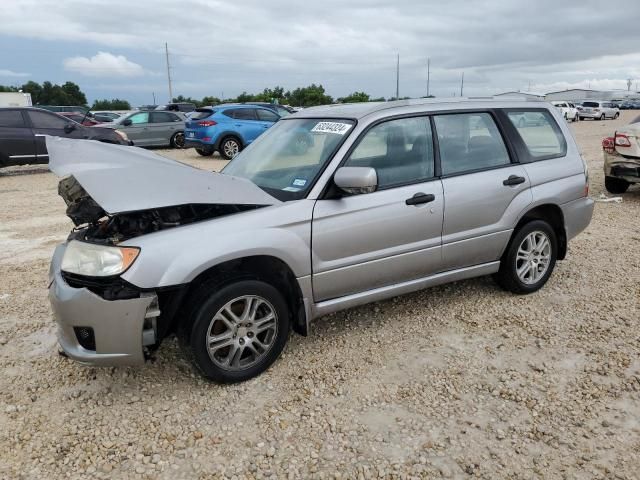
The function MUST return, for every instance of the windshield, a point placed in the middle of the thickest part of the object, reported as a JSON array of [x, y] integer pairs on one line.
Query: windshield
[[286, 160]]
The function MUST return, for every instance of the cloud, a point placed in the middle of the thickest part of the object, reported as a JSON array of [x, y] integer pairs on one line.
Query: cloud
[[11, 73], [104, 64], [346, 46]]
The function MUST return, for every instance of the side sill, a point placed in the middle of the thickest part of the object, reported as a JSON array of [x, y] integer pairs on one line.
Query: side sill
[[382, 293]]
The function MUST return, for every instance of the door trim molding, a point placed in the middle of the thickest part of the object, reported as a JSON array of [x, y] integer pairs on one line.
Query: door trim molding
[[382, 293]]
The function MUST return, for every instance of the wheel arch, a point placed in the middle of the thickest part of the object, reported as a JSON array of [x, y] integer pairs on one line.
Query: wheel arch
[[553, 215], [266, 268]]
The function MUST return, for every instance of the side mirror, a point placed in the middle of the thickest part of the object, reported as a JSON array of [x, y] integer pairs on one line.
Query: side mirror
[[355, 180], [127, 122], [69, 127]]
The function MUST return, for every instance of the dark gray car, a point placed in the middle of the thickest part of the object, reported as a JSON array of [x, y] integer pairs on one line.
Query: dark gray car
[[152, 129]]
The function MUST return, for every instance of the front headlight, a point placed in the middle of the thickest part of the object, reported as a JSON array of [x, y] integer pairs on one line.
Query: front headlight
[[93, 260], [123, 135]]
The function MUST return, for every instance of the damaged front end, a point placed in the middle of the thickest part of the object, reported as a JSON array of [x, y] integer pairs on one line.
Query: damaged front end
[[114, 194], [94, 224]]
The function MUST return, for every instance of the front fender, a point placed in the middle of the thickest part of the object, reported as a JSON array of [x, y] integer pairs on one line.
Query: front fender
[[178, 255]]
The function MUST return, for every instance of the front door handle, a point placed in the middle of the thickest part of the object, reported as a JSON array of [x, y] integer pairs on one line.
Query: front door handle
[[514, 180], [420, 198]]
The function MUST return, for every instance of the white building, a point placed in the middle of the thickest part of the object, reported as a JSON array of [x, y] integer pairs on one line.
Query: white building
[[15, 99], [527, 95], [586, 94]]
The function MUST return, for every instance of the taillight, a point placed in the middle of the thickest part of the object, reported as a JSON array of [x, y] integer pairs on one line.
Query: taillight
[[596, 109], [207, 123], [608, 145], [622, 140]]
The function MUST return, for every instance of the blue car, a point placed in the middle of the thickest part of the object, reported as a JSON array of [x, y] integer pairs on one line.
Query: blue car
[[226, 128]]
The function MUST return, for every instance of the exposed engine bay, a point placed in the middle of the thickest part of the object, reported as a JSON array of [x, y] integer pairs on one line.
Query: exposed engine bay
[[96, 225]]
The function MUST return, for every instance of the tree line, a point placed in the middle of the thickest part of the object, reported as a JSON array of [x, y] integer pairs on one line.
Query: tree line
[[69, 93]]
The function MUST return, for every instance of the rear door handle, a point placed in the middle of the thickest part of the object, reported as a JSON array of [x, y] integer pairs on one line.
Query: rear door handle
[[420, 198], [514, 180]]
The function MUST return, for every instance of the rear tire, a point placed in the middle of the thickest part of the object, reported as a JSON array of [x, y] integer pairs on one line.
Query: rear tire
[[236, 331], [615, 185], [205, 151], [615, 117], [177, 141], [602, 117], [230, 147], [576, 118], [529, 259]]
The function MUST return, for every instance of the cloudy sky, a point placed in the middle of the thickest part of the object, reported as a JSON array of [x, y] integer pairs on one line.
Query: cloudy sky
[[115, 48]]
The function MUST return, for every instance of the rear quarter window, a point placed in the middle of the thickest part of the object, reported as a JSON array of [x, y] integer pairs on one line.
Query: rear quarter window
[[539, 132]]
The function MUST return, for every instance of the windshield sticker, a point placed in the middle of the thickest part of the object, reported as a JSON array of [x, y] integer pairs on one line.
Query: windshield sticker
[[331, 127], [299, 182], [291, 189]]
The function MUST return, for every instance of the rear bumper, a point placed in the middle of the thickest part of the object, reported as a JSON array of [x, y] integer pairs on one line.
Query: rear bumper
[[117, 325], [577, 216], [626, 168]]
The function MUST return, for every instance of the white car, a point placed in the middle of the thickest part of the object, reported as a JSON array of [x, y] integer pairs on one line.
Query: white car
[[569, 110], [598, 110]]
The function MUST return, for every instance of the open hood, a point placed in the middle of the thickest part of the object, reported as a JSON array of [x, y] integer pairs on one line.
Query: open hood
[[127, 179]]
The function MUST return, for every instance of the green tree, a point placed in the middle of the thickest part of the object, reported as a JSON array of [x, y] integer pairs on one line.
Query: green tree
[[49, 94], [309, 96], [183, 99], [7, 88], [115, 104], [379, 99], [210, 101], [355, 97]]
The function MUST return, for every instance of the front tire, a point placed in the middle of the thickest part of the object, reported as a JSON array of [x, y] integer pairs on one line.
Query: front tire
[[236, 331], [615, 185], [615, 117], [230, 147], [529, 259], [576, 118]]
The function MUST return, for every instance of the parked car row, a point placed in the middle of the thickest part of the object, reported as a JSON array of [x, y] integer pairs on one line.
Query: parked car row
[[598, 110], [22, 131]]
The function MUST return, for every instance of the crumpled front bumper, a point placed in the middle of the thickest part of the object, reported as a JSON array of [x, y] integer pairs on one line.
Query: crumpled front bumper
[[117, 324]]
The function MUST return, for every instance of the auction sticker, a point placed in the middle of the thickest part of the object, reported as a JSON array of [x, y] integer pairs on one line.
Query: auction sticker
[[331, 127]]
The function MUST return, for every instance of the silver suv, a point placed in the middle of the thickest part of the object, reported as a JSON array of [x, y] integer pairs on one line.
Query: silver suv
[[598, 110], [332, 207]]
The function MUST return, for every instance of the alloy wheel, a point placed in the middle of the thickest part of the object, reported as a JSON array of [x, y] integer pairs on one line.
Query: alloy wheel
[[242, 332], [231, 148], [178, 140], [533, 257]]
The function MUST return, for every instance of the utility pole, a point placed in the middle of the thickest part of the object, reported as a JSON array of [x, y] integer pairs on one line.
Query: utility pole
[[154, 97], [628, 84], [166, 52], [462, 85], [428, 75], [398, 78]]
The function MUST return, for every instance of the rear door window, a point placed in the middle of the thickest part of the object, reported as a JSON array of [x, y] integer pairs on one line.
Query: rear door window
[[46, 120], [540, 133], [590, 104], [468, 142], [163, 117], [245, 114], [11, 119]]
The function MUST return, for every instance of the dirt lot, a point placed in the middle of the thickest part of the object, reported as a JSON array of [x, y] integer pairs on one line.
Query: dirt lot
[[457, 381]]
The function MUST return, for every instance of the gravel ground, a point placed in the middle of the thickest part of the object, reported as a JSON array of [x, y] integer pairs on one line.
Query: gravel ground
[[458, 381]]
